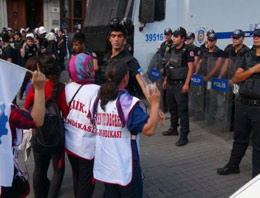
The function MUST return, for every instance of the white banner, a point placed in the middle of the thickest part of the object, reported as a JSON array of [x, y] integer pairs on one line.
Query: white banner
[[11, 78]]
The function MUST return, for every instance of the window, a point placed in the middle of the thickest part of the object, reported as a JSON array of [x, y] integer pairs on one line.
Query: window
[[151, 10], [72, 14]]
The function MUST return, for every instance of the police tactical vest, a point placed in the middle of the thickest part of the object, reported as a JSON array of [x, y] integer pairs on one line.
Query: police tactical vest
[[176, 70], [166, 52], [251, 86]]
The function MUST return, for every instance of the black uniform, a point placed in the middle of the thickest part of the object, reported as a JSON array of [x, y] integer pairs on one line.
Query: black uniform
[[176, 72], [17, 48], [165, 51], [7, 52], [247, 116], [234, 59], [30, 51], [133, 65]]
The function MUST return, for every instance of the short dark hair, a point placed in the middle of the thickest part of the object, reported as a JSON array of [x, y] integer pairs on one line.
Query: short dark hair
[[5, 36], [79, 37]]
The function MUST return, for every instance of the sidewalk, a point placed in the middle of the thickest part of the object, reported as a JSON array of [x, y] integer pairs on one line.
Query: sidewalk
[[180, 172]]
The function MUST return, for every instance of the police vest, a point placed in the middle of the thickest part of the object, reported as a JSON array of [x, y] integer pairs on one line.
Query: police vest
[[175, 69], [79, 131], [113, 156], [165, 52], [251, 86]]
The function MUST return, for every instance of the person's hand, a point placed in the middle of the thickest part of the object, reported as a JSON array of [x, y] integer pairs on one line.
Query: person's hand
[[205, 78], [185, 89], [164, 84], [230, 83], [154, 95], [38, 80], [255, 69], [161, 118], [24, 44]]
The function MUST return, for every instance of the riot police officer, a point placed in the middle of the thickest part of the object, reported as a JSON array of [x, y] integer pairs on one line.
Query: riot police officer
[[247, 112], [190, 42], [179, 70], [164, 52], [233, 53], [166, 45]]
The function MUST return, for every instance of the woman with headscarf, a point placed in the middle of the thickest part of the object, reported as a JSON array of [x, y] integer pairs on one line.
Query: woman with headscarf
[[79, 131]]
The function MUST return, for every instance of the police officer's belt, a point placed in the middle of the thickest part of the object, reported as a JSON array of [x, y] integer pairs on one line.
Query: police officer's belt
[[248, 101], [175, 82]]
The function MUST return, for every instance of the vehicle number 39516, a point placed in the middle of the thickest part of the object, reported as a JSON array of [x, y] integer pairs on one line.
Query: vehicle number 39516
[[153, 37]]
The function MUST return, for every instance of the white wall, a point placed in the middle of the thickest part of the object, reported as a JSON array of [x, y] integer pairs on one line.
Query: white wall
[[3, 14], [51, 18]]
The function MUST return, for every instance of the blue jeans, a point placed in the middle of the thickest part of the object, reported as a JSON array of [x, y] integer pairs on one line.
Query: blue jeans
[[132, 190]]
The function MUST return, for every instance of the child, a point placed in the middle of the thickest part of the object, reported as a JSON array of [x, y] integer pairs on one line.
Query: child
[[119, 118]]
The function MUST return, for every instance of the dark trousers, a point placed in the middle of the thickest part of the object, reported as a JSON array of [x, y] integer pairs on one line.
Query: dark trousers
[[132, 190], [178, 108], [82, 169], [41, 184], [247, 120]]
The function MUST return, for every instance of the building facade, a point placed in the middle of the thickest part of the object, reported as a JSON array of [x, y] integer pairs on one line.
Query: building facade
[[51, 14]]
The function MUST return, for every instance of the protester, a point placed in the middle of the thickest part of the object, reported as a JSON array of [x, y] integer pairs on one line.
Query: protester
[[120, 118], [22, 119], [41, 184], [80, 141]]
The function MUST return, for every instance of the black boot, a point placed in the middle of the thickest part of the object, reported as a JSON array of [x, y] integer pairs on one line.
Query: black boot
[[227, 170], [182, 141], [170, 132]]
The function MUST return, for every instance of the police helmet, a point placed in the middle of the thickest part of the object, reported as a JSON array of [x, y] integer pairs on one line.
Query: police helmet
[[42, 30], [117, 25], [128, 24], [168, 31]]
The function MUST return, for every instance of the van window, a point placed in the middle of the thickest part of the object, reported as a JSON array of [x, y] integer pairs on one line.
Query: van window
[[151, 10], [159, 12]]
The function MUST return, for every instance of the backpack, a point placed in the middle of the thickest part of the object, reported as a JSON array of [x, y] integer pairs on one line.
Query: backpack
[[50, 137]]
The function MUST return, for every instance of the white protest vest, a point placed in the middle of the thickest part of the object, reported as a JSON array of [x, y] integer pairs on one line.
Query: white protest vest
[[79, 132], [113, 156]]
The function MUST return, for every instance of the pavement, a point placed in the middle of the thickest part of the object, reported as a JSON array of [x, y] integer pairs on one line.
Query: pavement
[[178, 172]]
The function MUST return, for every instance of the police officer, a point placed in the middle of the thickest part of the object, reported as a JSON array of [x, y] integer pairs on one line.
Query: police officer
[[247, 112], [164, 52], [166, 45], [179, 70], [190, 42], [233, 53]]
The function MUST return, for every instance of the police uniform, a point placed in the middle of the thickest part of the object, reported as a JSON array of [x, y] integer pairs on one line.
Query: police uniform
[[234, 58], [164, 51], [30, 51], [247, 117], [176, 72]]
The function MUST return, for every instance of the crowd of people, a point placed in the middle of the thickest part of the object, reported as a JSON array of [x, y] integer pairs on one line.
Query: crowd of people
[[102, 123], [97, 118]]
